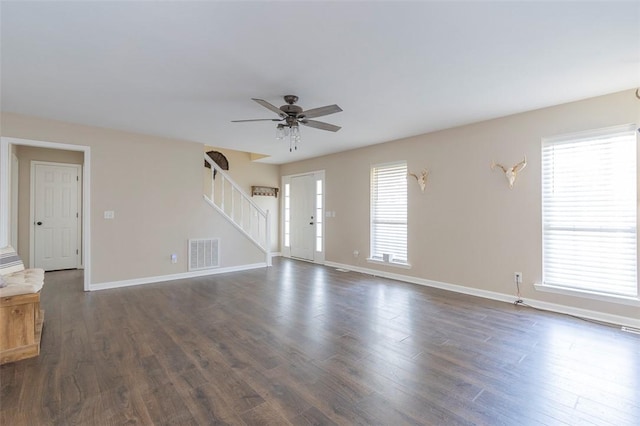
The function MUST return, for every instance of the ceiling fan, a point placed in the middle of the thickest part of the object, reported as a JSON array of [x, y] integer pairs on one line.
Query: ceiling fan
[[291, 116]]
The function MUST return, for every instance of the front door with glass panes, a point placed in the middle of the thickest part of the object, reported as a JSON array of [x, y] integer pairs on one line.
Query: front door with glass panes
[[303, 216]]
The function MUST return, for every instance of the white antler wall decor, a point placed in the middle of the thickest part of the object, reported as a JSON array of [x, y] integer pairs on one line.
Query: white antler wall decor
[[422, 179], [511, 173]]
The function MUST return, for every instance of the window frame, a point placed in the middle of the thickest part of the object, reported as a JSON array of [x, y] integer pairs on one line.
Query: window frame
[[374, 257], [591, 293]]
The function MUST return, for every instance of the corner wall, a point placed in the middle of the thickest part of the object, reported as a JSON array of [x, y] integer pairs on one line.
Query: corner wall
[[154, 185], [468, 228]]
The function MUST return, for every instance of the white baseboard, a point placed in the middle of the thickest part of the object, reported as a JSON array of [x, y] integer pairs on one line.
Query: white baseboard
[[553, 307], [584, 313], [172, 277]]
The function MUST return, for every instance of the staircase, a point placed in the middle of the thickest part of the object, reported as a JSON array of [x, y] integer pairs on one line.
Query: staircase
[[233, 203]]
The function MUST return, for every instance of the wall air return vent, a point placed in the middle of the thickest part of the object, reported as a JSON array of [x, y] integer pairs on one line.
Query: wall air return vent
[[204, 253]]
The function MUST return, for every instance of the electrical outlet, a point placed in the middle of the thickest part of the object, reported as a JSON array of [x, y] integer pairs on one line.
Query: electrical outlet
[[356, 253], [174, 258], [517, 277]]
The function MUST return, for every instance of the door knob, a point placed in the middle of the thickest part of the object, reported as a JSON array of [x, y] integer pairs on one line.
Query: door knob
[[310, 223], [38, 223]]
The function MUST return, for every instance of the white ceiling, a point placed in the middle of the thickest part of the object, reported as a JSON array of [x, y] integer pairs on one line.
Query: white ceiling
[[186, 69]]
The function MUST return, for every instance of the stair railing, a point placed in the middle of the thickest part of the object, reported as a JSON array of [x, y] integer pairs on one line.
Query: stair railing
[[237, 206]]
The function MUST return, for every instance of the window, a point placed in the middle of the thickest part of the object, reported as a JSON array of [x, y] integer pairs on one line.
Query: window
[[319, 220], [287, 215], [389, 213], [589, 212]]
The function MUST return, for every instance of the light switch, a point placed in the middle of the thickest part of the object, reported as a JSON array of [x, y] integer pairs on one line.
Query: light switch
[[109, 214]]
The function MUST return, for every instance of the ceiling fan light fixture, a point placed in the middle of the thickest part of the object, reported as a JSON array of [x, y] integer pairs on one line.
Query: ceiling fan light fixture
[[295, 132], [294, 137], [293, 115]]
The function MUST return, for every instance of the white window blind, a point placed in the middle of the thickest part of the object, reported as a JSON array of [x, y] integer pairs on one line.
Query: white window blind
[[389, 211], [589, 212]]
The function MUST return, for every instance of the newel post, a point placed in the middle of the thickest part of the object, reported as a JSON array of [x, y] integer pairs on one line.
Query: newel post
[[267, 238]]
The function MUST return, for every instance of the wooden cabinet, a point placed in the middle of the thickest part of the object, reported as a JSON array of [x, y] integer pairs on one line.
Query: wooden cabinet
[[21, 323]]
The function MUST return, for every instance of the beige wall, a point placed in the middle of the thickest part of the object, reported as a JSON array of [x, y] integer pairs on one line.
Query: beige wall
[[248, 173], [468, 228], [25, 155], [154, 185]]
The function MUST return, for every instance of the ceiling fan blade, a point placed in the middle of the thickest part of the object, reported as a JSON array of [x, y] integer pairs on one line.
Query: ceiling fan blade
[[319, 112], [267, 105], [320, 125], [257, 119]]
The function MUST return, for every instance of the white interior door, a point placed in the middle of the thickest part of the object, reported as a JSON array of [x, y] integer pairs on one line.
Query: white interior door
[[15, 173], [303, 216], [56, 215]]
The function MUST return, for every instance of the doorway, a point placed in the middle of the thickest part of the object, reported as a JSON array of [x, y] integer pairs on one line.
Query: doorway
[[7, 145], [55, 215], [303, 212], [302, 217]]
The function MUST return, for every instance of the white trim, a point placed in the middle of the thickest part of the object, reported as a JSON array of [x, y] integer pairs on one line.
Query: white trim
[[286, 250], [318, 256], [231, 217], [5, 143], [622, 300], [13, 194], [429, 283], [173, 277], [630, 127], [5, 214], [556, 285], [32, 211], [563, 309], [237, 226], [584, 313], [402, 265], [314, 172], [375, 191]]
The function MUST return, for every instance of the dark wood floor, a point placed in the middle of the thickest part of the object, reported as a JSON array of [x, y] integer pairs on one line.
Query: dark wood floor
[[303, 344]]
